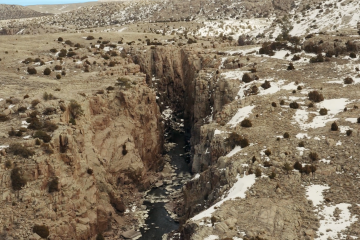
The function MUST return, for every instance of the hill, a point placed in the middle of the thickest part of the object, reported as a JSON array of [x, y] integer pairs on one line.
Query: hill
[[16, 12]]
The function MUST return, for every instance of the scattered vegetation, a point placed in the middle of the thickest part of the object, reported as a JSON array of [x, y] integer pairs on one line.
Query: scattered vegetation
[[286, 135], [348, 132], [47, 71], [18, 149], [42, 135], [291, 67], [258, 172], [267, 152], [31, 70]]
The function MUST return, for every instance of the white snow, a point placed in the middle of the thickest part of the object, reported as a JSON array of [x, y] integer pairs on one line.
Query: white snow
[[352, 120], [234, 151], [325, 161], [237, 191], [302, 135], [216, 132], [334, 107], [196, 176], [24, 124], [3, 147], [241, 114], [314, 193], [212, 237]]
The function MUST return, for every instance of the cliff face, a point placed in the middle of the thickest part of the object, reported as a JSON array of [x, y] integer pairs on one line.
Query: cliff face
[[100, 164]]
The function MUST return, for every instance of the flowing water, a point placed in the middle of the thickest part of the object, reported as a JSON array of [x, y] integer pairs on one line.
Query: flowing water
[[159, 221]]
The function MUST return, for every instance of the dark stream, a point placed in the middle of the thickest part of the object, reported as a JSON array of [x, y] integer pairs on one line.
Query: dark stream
[[159, 222]]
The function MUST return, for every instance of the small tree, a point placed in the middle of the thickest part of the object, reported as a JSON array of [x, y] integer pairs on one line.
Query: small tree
[[286, 135], [246, 123], [315, 96], [17, 179], [334, 126]]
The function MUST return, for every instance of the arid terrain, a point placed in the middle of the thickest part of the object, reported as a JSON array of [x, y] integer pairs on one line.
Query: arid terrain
[[265, 93]]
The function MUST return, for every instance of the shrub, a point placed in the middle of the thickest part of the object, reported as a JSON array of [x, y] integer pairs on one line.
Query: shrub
[[63, 73], [62, 53], [282, 102], [54, 185], [112, 64], [311, 105], [48, 96], [58, 76], [253, 159], [290, 67], [89, 171], [41, 230], [71, 54], [49, 111], [306, 169], [301, 144], [313, 156], [257, 172], [235, 139], [17, 179], [294, 105], [254, 90], [37, 142], [100, 237], [60, 39], [3, 117], [18, 149], [72, 121], [68, 42], [8, 164], [250, 171], [42, 135], [299, 88], [348, 80], [47, 71], [267, 164], [53, 50], [315, 96], [246, 123], [31, 70], [75, 109], [352, 55], [124, 151], [294, 91], [123, 82], [287, 167], [272, 175], [58, 67], [334, 126], [49, 126], [323, 111], [110, 88], [267, 152], [298, 166], [318, 58], [266, 85], [286, 135], [35, 124], [348, 132], [26, 96], [246, 78], [295, 58]]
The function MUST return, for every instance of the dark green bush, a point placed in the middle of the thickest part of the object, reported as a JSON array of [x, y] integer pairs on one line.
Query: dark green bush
[[47, 71], [286, 135], [53, 50], [58, 76], [22, 109], [123, 82], [267, 164], [54, 185], [348, 80], [60, 39], [72, 121], [42, 135], [75, 109], [89, 171], [246, 123], [49, 111], [267, 152], [49, 126], [3, 117], [257, 172], [35, 102], [334, 126], [58, 67], [294, 105], [71, 54], [100, 237], [298, 166], [295, 58], [313, 156], [273, 104], [290, 67], [315, 96], [17, 179], [301, 144], [18, 149], [235, 139], [246, 78], [31, 70], [272, 175], [41, 230], [318, 58], [323, 111], [266, 85], [282, 102], [348, 132], [352, 55]]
